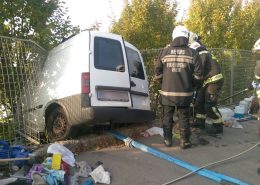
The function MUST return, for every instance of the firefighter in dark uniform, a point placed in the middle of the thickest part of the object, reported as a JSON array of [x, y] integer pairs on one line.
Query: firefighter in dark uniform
[[256, 82], [180, 69], [206, 103]]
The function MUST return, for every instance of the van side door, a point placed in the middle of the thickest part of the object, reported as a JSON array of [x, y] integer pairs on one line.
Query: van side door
[[109, 76], [138, 78]]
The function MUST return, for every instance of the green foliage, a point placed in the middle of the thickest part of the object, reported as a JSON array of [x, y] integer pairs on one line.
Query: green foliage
[[225, 23], [39, 20], [146, 23]]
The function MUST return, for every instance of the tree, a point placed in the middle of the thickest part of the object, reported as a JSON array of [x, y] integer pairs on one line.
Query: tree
[[225, 23], [146, 23], [43, 21]]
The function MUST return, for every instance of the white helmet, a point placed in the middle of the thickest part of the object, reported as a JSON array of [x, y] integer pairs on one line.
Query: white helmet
[[180, 31], [256, 47], [193, 37]]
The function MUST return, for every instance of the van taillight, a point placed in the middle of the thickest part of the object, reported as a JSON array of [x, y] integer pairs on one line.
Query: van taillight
[[85, 88]]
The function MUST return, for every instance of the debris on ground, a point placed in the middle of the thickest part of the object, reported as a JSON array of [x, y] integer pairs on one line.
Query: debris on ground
[[99, 175], [59, 167], [152, 131]]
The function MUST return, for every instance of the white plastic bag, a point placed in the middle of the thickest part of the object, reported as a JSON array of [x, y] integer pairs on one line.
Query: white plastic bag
[[67, 155], [226, 113], [100, 175], [154, 131]]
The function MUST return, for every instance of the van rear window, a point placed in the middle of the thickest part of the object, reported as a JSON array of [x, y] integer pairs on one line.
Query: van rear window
[[108, 54], [135, 64]]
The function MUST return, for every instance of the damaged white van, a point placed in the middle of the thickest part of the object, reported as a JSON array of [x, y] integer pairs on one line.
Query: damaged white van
[[91, 78]]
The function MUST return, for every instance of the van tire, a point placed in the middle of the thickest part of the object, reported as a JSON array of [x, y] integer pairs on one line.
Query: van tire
[[58, 127]]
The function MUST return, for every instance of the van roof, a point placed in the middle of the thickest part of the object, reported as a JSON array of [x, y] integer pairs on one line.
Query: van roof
[[68, 40]]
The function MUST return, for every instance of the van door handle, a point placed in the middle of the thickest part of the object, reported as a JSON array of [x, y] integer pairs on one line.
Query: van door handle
[[132, 84]]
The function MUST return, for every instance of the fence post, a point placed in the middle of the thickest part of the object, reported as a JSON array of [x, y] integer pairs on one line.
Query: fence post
[[232, 75]]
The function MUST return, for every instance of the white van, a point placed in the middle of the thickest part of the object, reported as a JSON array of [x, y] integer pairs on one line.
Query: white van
[[91, 78]]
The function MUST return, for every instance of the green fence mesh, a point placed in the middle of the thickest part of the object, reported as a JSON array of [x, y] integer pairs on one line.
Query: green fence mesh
[[237, 69]]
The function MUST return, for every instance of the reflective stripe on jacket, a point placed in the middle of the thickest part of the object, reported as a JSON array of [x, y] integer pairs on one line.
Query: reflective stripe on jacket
[[179, 67], [213, 79]]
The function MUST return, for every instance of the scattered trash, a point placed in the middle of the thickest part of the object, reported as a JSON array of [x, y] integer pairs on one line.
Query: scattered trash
[[56, 162], [88, 182], [36, 168], [17, 154], [100, 175], [236, 124], [7, 181], [67, 155], [47, 163], [84, 169], [38, 179], [54, 177], [152, 131], [226, 113]]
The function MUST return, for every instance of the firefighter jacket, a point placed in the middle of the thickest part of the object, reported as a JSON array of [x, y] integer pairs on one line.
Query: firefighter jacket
[[205, 57], [257, 71], [181, 70], [211, 69], [212, 73]]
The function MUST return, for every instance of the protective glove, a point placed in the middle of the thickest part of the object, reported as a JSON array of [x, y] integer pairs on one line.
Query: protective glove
[[255, 84]]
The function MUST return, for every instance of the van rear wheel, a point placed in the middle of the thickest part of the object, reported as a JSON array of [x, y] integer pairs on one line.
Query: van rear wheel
[[58, 127]]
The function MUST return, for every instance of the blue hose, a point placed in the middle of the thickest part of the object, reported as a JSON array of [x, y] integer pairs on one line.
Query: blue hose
[[220, 178]]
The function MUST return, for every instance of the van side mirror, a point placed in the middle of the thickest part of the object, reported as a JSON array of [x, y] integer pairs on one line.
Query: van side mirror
[[120, 68]]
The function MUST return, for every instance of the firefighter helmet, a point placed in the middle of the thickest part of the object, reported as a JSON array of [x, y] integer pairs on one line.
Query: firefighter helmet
[[180, 31], [256, 47]]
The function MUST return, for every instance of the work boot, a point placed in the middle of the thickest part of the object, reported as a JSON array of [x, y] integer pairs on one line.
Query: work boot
[[168, 142], [199, 123], [184, 144], [218, 128], [167, 133], [214, 129], [185, 139]]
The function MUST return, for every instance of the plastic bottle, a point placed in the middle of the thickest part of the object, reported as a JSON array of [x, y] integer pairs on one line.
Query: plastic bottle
[[88, 182]]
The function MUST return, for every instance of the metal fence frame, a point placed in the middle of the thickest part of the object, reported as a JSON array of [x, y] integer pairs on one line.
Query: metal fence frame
[[21, 61], [237, 69]]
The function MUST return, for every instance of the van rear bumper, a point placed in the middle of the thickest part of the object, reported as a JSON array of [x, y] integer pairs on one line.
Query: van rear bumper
[[97, 115], [122, 115], [78, 114]]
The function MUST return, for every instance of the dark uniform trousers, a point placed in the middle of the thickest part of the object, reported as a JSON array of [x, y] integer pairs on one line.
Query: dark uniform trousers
[[206, 104], [258, 97], [183, 116]]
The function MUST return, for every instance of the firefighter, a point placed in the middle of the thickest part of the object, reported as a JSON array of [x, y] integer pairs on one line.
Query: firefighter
[[206, 103], [179, 67], [256, 82]]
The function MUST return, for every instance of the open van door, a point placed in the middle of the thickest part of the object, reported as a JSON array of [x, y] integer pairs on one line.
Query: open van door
[[138, 78], [109, 76]]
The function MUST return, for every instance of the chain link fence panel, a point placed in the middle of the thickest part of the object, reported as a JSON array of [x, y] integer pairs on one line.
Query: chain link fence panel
[[20, 64], [237, 69]]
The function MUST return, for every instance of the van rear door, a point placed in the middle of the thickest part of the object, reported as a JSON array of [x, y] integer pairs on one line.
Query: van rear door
[[109, 76], [138, 78]]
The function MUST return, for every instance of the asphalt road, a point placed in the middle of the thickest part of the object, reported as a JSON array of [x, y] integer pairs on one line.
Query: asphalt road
[[131, 166]]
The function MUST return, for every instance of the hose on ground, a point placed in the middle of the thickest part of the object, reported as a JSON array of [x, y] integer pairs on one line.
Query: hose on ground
[[212, 164]]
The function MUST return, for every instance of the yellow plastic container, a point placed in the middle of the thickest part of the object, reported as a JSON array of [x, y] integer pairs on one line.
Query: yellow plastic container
[[56, 161]]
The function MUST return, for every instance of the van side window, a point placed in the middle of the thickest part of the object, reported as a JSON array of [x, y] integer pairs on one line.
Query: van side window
[[108, 54], [135, 64]]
